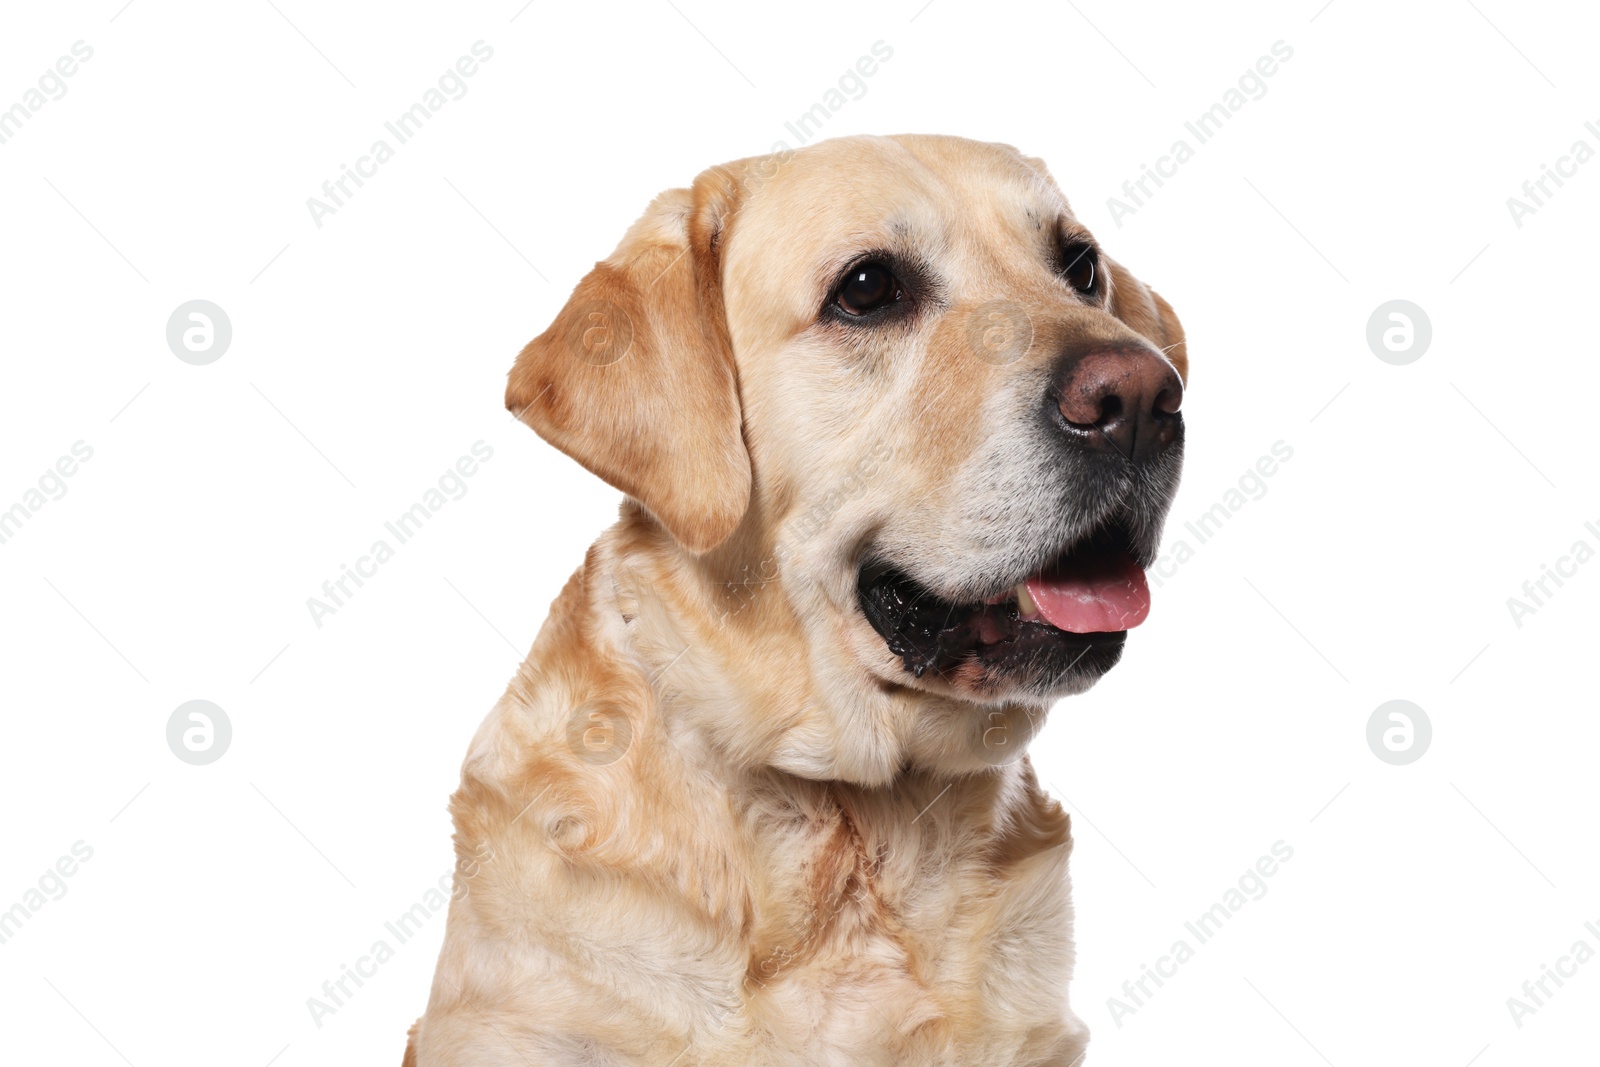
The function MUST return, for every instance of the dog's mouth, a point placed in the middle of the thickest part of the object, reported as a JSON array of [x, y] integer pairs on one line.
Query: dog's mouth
[[1070, 617]]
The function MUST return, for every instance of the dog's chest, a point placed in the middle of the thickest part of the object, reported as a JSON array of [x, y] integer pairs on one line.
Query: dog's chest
[[871, 945], [835, 961]]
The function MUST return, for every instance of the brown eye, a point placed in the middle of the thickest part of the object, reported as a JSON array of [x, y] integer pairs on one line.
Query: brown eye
[[867, 288], [1080, 267]]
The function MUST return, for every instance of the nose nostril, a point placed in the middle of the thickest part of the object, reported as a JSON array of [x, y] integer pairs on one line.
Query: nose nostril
[[1110, 408], [1168, 402]]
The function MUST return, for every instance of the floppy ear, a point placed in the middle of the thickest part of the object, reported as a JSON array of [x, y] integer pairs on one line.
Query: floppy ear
[[635, 378], [1142, 308]]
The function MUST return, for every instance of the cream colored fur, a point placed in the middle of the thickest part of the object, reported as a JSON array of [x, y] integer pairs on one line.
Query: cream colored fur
[[713, 821]]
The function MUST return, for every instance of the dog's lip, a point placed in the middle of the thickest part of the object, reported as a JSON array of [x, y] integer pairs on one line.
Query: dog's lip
[[1084, 598], [949, 639]]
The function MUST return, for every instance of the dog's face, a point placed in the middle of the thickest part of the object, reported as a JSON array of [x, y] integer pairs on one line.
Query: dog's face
[[891, 393]]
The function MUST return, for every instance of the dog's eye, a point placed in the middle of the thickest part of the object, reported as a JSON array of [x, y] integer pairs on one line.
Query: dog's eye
[[1080, 266], [867, 288]]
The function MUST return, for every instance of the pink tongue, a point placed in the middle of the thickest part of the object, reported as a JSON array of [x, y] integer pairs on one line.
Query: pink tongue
[[1097, 596]]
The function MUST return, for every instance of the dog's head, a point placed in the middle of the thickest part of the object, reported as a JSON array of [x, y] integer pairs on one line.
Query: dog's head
[[888, 393]]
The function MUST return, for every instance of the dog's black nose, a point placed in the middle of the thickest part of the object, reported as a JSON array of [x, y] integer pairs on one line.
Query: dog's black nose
[[1122, 398]]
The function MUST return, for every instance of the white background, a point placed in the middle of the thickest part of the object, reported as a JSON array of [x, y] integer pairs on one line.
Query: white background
[[368, 354]]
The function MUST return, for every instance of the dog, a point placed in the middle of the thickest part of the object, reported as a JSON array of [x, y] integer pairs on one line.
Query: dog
[[895, 438]]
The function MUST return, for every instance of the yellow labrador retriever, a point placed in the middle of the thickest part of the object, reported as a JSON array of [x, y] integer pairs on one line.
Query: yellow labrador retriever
[[896, 438]]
